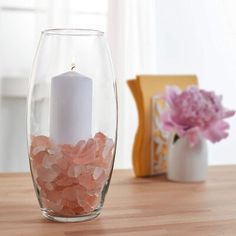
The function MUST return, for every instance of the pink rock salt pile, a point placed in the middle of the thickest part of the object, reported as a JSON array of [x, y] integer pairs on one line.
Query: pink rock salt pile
[[71, 178]]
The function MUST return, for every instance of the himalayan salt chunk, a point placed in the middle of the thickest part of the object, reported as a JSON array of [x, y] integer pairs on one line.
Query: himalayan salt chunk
[[74, 170], [87, 208], [87, 181], [45, 174], [87, 158], [37, 159], [57, 169], [78, 210], [90, 168], [107, 163], [71, 178], [66, 211], [80, 146], [45, 202], [48, 161], [97, 172], [49, 186], [92, 200], [67, 150], [64, 181], [55, 196], [69, 193], [89, 202], [88, 154], [103, 163], [100, 138], [54, 206], [89, 148], [100, 143], [108, 147], [90, 145], [80, 192], [71, 204], [37, 149], [41, 141], [55, 150], [62, 164], [102, 179]]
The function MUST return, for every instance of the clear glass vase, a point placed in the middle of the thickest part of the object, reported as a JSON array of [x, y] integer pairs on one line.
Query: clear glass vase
[[72, 123]]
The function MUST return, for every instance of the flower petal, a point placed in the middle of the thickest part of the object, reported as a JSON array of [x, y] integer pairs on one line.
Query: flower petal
[[171, 93], [216, 132], [228, 113]]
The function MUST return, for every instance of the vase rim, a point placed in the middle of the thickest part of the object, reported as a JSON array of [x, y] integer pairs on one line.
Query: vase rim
[[73, 32]]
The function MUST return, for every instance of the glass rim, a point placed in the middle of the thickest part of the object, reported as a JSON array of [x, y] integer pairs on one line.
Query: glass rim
[[72, 32]]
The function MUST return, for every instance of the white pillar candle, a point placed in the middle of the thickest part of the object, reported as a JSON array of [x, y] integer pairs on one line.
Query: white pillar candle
[[70, 108]]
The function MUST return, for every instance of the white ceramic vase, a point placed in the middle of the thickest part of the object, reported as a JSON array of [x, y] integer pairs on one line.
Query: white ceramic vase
[[187, 163]]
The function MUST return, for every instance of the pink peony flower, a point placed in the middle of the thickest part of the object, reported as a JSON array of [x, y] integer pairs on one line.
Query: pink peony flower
[[195, 112]]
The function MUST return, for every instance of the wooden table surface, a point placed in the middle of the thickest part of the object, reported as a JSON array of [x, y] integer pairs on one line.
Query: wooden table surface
[[133, 206]]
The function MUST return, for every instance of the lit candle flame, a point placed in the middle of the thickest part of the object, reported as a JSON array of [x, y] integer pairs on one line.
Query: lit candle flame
[[73, 63]]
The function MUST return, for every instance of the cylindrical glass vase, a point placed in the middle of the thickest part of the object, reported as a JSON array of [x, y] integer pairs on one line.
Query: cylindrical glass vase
[[72, 123]]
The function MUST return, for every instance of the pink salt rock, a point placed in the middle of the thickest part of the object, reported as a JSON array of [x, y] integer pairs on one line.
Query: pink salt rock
[[88, 153], [98, 171], [81, 192], [100, 162], [57, 169], [62, 164], [89, 168], [87, 181], [69, 193], [108, 148], [90, 146], [64, 181], [49, 186], [74, 171], [80, 146], [100, 138], [71, 204], [89, 203], [38, 158], [48, 161], [54, 196], [78, 210], [102, 178], [40, 141], [92, 201], [87, 208], [54, 206], [71, 177], [45, 174], [100, 143], [55, 151], [38, 149], [67, 150], [66, 211]]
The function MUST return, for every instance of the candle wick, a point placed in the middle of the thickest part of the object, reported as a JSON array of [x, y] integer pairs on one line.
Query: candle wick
[[72, 66]]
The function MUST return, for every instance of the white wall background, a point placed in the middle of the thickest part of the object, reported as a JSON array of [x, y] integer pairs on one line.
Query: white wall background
[[148, 36]]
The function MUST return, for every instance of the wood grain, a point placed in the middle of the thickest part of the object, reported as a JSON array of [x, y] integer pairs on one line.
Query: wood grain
[[133, 206]]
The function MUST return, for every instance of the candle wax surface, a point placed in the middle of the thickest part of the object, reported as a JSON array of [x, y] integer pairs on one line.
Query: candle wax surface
[[70, 108]]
